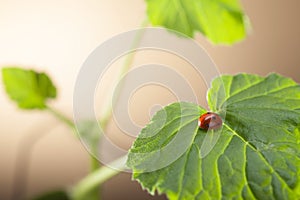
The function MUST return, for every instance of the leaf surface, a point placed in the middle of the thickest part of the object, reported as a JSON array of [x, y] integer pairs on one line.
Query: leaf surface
[[255, 155], [221, 21], [28, 88]]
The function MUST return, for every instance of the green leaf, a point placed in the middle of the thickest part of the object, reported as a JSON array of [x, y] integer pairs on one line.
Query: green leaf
[[221, 21], [55, 195], [29, 89], [255, 155]]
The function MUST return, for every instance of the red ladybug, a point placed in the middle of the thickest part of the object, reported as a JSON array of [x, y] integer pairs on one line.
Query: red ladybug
[[210, 121]]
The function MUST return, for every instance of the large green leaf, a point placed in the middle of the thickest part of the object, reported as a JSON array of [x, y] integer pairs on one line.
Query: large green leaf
[[221, 21], [29, 89], [255, 155]]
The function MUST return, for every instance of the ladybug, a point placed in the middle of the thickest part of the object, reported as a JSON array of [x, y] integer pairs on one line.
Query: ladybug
[[209, 121]]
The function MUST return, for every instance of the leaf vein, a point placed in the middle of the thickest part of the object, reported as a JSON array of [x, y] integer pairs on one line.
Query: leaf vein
[[234, 94], [261, 94], [261, 156], [245, 171], [264, 124], [255, 96]]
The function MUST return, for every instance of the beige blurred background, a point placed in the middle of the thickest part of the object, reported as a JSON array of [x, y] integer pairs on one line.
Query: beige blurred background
[[38, 152]]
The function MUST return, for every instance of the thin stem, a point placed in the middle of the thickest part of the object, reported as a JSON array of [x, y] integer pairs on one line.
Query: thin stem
[[61, 117], [126, 66], [89, 185], [94, 194], [99, 176]]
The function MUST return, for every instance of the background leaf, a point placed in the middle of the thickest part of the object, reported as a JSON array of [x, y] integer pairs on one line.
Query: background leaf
[[29, 89], [221, 21], [256, 155]]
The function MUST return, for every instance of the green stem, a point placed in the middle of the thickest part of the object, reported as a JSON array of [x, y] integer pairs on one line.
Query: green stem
[[93, 180], [89, 186], [61, 117], [94, 164], [94, 194], [126, 66]]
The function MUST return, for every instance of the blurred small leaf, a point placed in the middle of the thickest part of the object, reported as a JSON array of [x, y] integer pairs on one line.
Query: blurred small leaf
[[221, 21], [29, 89], [55, 195]]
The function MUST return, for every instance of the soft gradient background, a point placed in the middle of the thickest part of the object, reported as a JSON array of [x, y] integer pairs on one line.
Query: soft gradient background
[[37, 152]]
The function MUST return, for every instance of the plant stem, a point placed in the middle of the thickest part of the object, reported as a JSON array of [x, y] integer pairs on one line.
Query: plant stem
[[94, 194], [61, 117], [126, 66], [99, 176], [89, 186]]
